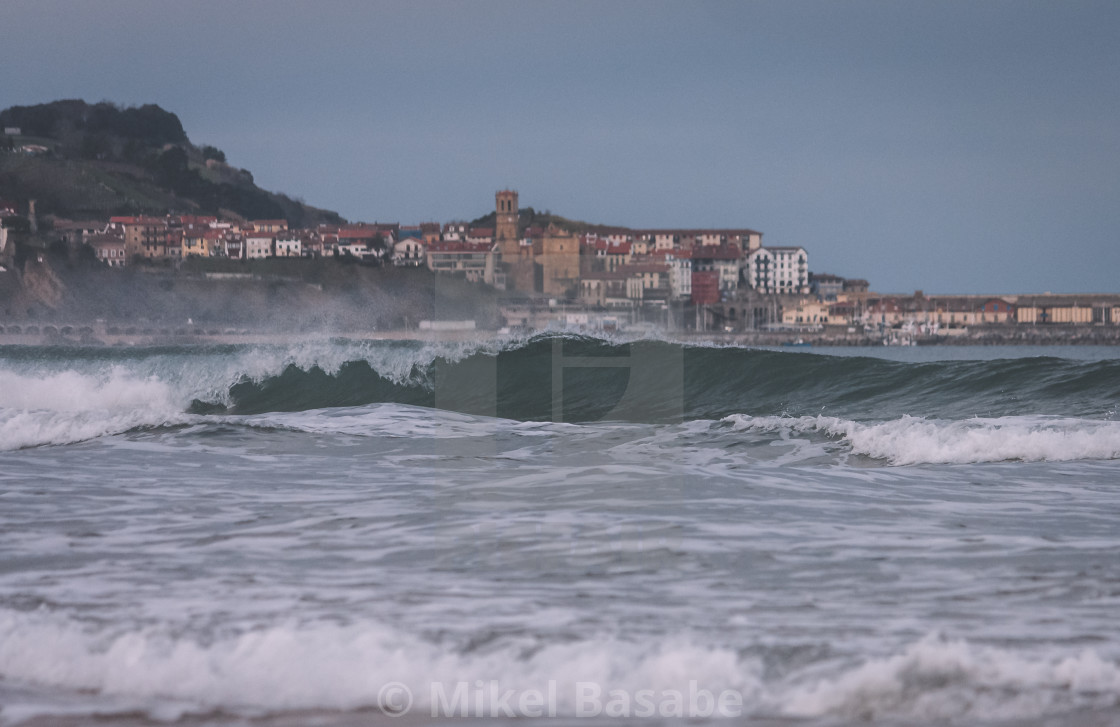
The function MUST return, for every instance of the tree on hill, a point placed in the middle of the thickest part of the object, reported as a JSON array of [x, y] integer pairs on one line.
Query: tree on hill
[[148, 123], [210, 152]]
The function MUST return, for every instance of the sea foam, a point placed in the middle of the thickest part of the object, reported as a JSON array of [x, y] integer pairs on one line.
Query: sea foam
[[914, 440], [69, 406], [346, 667]]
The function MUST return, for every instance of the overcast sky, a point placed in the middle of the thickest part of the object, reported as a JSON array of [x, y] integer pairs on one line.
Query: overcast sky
[[955, 147]]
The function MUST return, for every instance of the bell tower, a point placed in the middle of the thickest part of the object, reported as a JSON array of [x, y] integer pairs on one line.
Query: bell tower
[[505, 226]]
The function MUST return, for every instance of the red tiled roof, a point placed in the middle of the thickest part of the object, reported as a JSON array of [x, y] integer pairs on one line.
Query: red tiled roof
[[365, 233]]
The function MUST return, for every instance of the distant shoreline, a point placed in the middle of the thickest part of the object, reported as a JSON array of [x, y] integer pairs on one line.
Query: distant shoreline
[[1057, 335]]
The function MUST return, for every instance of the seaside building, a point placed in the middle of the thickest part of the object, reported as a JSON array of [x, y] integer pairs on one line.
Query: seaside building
[[680, 274], [109, 249], [410, 252], [723, 258], [778, 270], [258, 245], [559, 261], [475, 260], [289, 245], [825, 286]]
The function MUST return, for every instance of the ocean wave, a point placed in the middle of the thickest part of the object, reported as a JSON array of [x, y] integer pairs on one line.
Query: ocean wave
[[940, 679], [53, 395], [68, 406], [914, 440], [330, 666]]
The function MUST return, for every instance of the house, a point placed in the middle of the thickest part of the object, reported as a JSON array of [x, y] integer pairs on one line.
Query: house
[[476, 260], [646, 281], [680, 274], [480, 235], [356, 248], [289, 245], [613, 253], [328, 239], [430, 232], [885, 311], [312, 243], [194, 243], [363, 241], [806, 311], [825, 286], [454, 232], [409, 252], [258, 245], [778, 270], [234, 244], [109, 249], [73, 233], [723, 258], [144, 236], [604, 289]]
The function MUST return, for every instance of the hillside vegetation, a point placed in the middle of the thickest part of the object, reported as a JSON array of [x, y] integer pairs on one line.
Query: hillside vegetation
[[101, 160]]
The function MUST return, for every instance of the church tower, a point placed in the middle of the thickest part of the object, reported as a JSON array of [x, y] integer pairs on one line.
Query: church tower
[[505, 226]]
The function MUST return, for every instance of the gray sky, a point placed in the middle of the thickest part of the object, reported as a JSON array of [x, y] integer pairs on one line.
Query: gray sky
[[951, 146]]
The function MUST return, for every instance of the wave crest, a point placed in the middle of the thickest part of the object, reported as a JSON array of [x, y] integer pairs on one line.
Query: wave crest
[[914, 440]]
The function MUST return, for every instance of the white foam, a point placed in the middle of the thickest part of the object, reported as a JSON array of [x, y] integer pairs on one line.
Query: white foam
[[68, 406], [941, 679], [914, 440], [344, 667], [329, 666]]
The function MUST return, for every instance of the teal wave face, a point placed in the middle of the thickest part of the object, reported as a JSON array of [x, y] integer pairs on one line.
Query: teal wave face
[[576, 379]]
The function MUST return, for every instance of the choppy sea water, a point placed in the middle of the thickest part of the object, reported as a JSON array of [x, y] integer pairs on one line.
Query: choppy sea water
[[352, 532]]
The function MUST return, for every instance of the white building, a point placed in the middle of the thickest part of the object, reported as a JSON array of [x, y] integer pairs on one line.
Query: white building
[[474, 260], [258, 245], [409, 252], [680, 274], [290, 246], [779, 270], [454, 231]]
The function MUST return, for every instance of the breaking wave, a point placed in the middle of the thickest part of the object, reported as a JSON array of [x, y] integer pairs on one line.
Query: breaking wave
[[913, 440], [1041, 408], [330, 666]]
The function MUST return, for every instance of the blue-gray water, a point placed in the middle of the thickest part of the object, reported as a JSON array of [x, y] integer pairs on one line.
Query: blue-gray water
[[322, 531]]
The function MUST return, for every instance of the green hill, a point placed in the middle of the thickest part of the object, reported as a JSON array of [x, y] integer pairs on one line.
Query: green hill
[[99, 160]]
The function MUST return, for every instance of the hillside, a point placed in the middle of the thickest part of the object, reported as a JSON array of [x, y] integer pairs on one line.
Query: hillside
[[82, 160], [322, 295]]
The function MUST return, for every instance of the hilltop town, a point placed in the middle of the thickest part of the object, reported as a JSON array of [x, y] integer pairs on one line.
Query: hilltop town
[[518, 269], [712, 281]]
